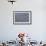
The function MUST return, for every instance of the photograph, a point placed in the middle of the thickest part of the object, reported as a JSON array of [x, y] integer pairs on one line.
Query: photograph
[[22, 22]]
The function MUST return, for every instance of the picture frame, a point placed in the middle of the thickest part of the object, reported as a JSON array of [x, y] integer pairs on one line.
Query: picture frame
[[22, 17]]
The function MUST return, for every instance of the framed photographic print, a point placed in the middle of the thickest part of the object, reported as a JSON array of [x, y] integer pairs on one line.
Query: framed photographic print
[[22, 17]]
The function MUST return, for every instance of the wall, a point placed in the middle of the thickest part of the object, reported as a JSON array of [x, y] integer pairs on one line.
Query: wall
[[9, 31]]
